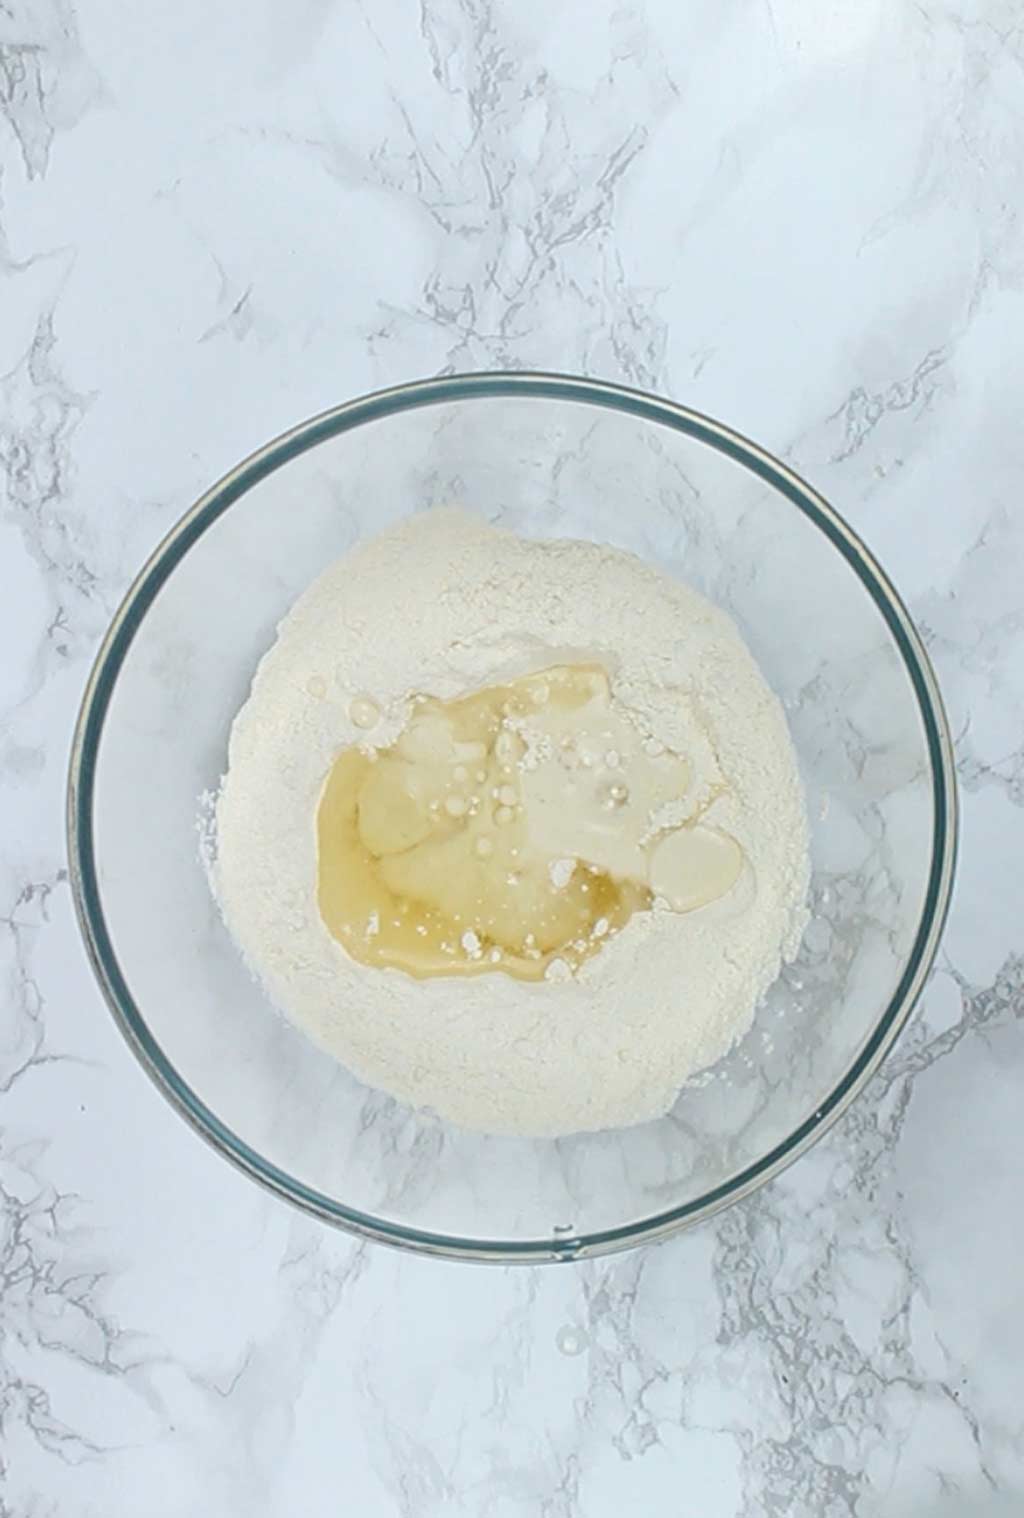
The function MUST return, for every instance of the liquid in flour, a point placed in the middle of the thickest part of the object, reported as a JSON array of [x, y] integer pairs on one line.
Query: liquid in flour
[[515, 829]]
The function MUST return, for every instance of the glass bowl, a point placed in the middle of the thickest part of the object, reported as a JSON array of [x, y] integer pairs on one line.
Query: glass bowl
[[547, 456]]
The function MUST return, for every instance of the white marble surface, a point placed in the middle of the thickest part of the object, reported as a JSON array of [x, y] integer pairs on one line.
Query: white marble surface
[[800, 215]]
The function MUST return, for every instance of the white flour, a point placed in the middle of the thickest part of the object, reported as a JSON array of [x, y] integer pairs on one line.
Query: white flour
[[443, 605]]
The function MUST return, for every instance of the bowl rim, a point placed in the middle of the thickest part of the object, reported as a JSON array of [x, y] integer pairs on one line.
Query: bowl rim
[[187, 531]]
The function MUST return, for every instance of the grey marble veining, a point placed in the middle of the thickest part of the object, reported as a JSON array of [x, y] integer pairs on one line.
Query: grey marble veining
[[801, 217]]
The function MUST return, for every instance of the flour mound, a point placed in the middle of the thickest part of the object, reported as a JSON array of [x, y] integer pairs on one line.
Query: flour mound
[[442, 605]]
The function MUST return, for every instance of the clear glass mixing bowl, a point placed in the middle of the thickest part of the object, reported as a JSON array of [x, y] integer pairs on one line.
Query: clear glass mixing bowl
[[547, 456]]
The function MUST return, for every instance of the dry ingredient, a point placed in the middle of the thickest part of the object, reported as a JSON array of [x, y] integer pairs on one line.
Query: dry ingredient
[[513, 828]]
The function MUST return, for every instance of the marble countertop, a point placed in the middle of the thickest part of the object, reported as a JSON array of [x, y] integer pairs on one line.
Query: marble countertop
[[800, 215]]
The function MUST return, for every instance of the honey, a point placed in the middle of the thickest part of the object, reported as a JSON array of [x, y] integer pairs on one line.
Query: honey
[[507, 830]]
